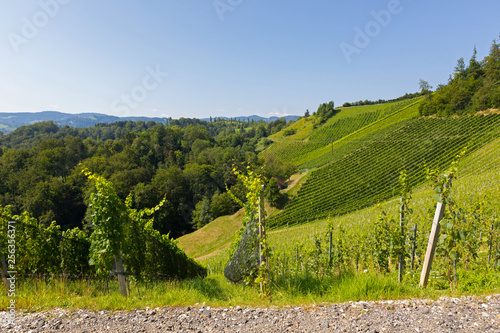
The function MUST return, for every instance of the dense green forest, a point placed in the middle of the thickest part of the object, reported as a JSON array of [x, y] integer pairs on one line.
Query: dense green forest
[[472, 87], [189, 162]]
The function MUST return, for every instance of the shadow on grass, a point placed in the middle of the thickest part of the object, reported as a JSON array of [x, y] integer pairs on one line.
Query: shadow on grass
[[305, 283], [208, 287], [345, 286]]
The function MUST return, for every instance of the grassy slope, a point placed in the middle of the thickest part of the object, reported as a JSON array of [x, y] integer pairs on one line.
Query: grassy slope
[[212, 237], [219, 234]]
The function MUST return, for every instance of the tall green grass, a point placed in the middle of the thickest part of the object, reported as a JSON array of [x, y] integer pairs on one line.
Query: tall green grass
[[300, 289]]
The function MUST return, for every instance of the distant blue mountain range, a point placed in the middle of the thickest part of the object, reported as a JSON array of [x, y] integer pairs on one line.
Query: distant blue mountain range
[[257, 118], [10, 121]]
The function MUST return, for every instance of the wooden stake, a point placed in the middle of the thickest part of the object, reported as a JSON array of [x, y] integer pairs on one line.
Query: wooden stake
[[330, 251], [455, 271], [121, 276], [414, 247], [357, 256], [431, 247], [5, 271], [261, 254], [262, 236], [401, 257], [490, 244]]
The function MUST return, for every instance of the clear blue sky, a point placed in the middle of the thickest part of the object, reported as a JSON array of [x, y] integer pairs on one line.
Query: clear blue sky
[[244, 57]]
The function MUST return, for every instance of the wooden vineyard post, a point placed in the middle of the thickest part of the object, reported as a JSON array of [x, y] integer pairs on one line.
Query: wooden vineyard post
[[431, 247], [262, 238], [414, 247], [490, 244], [261, 234], [121, 276], [330, 251], [401, 256]]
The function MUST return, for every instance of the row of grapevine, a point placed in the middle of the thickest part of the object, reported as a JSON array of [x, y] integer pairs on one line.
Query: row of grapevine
[[293, 150], [469, 241], [383, 109], [386, 124], [41, 250], [369, 173], [343, 127], [44, 250]]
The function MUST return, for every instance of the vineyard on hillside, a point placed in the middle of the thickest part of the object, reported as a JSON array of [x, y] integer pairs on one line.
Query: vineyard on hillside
[[373, 131], [313, 148], [369, 172], [369, 241], [288, 150]]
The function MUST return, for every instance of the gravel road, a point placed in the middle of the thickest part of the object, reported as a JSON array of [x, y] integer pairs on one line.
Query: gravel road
[[466, 314]]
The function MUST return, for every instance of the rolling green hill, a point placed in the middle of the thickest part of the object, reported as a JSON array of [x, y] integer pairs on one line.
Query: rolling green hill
[[371, 146], [369, 172], [313, 145], [477, 179]]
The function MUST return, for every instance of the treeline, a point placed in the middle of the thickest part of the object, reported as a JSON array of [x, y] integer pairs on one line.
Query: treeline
[[472, 87], [29, 136], [189, 163], [382, 101]]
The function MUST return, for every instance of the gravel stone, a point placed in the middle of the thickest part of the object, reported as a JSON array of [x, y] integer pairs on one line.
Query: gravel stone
[[466, 314]]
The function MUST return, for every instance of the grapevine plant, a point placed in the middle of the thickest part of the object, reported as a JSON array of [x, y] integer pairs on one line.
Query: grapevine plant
[[109, 219], [252, 182], [121, 231], [390, 240], [43, 250], [455, 230]]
